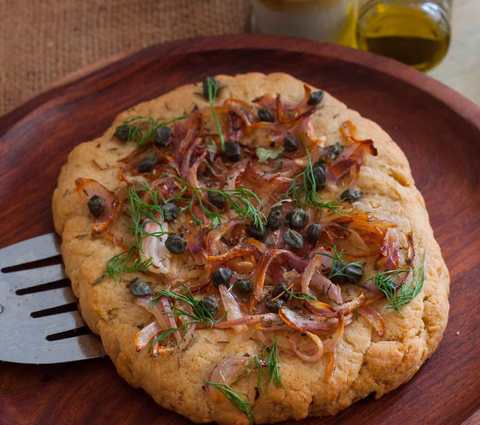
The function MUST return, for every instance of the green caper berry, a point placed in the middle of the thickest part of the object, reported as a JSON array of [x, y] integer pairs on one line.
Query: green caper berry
[[313, 232], [216, 199], [122, 132], [221, 276], [320, 175], [351, 195], [274, 305], [232, 151], [147, 164], [332, 152], [169, 211], [210, 304], [315, 97], [275, 219], [293, 239], [347, 273], [297, 219], [176, 244], [140, 288], [280, 290], [243, 286], [163, 136], [96, 206], [265, 115], [290, 143]]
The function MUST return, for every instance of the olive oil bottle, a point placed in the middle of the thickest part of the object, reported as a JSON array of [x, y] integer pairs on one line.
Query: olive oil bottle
[[414, 32]]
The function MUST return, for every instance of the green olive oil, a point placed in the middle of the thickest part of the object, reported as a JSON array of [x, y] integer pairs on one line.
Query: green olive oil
[[415, 33]]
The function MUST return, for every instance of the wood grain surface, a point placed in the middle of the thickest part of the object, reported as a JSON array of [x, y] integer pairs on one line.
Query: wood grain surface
[[437, 128]]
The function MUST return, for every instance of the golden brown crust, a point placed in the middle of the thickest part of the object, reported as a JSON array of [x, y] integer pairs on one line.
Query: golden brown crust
[[365, 362]]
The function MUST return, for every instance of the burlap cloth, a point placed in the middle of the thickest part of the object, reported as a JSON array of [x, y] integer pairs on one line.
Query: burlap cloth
[[42, 41]]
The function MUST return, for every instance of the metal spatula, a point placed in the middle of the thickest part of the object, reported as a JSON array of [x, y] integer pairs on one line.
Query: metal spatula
[[39, 320]]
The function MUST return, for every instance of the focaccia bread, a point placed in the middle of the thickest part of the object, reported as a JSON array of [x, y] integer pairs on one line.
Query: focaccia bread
[[251, 250]]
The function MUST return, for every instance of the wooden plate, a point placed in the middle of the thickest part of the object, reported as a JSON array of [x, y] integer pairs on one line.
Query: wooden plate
[[437, 128]]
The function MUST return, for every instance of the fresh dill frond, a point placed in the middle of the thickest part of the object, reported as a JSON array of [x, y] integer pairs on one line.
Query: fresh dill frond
[[141, 129], [199, 312], [162, 336], [212, 91], [273, 364], [242, 200], [300, 296], [303, 189], [398, 296], [239, 401], [125, 262], [341, 268]]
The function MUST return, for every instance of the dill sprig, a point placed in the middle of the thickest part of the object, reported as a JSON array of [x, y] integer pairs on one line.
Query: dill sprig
[[125, 262], [139, 210], [162, 336], [303, 189], [241, 200], [300, 296], [398, 296], [340, 266], [141, 129], [273, 364], [199, 312], [239, 401], [212, 91]]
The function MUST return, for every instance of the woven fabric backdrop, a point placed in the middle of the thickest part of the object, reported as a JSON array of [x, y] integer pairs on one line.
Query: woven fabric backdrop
[[42, 41]]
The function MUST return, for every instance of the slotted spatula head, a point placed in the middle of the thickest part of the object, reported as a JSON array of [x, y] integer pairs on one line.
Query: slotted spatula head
[[39, 320]]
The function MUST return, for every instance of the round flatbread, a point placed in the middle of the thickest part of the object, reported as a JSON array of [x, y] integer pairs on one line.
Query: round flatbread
[[250, 249]]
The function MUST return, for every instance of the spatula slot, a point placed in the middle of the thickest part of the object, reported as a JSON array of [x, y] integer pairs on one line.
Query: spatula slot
[[69, 334], [57, 259], [62, 283], [54, 310]]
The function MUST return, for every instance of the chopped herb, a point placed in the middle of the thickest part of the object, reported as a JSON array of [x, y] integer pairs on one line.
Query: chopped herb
[[200, 313], [124, 262], [264, 154], [273, 364], [141, 129], [162, 336], [342, 270], [300, 296], [211, 88], [241, 200], [303, 189], [239, 401], [400, 296]]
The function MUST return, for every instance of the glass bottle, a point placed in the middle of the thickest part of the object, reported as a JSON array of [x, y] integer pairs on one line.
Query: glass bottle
[[415, 32], [325, 20]]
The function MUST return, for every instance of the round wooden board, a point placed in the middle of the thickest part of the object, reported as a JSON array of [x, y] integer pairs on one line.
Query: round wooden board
[[437, 128]]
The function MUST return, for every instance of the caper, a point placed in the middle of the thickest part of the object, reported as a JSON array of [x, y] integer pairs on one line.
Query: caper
[[315, 97], [216, 199], [140, 288], [221, 276], [280, 290], [290, 143], [256, 233], [347, 273], [214, 87], [293, 239], [332, 152], [351, 195], [210, 304], [320, 175], [274, 305], [297, 218], [265, 115], [313, 232], [176, 244], [243, 286], [147, 164], [169, 211], [96, 205], [163, 136], [122, 132], [232, 151], [275, 219]]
